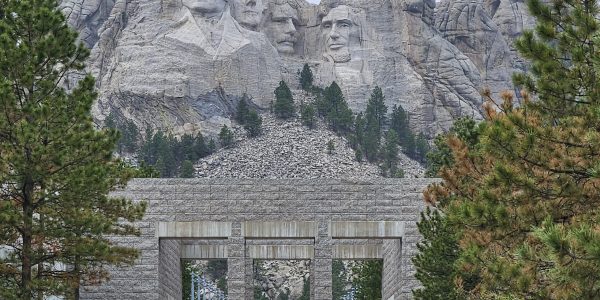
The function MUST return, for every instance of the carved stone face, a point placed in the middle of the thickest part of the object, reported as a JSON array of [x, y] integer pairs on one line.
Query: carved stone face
[[281, 28], [205, 6], [248, 12], [337, 29]]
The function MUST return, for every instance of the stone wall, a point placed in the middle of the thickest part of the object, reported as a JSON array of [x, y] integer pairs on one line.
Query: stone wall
[[235, 214]]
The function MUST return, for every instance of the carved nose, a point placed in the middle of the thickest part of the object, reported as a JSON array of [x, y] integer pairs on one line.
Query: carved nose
[[251, 3], [334, 34], [290, 28]]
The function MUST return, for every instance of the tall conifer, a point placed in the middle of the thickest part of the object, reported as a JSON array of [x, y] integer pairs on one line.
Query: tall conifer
[[56, 170]]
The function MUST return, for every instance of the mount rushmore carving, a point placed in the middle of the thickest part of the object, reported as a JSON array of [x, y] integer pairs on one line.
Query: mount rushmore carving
[[181, 64]]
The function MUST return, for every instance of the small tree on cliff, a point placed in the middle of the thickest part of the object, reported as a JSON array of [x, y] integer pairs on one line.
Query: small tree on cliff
[[306, 78], [284, 102], [56, 170]]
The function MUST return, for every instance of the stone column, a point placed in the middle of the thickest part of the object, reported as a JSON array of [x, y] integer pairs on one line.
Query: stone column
[[392, 269], [321, 284], [236, 264]]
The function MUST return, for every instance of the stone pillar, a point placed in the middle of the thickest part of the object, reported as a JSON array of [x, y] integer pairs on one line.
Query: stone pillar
[[236, 264], [249, 278], [321, 284], [392, 269]]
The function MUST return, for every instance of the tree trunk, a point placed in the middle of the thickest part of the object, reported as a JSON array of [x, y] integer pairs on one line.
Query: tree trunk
[[26, 268]]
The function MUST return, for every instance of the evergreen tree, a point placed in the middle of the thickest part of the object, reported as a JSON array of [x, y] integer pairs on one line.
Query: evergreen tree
[[253, 124], [338, 279], [525, 198], [330, 147], [421, 148], [200, 147], [337, 112], [400, 124], [187, 169], [390, 154], [242, 110], [306, 78], [376, 110], [359, 130], [466, 129], [212, 146], [226, 137], [371, 142], [284, 102], [367, 280], [435, 263], [307, 114], [56, 170]]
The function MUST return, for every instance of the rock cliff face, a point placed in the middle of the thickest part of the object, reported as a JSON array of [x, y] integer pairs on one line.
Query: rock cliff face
[[176, 64]]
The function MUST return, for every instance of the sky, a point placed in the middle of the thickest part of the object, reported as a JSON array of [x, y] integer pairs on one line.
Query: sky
[[314, 1]]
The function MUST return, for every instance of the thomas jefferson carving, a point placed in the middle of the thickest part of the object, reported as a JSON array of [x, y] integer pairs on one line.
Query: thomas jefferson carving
[[248, 13]]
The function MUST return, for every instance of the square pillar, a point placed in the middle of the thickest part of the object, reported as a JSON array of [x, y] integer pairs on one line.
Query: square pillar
[[321, 267], [236, 264]]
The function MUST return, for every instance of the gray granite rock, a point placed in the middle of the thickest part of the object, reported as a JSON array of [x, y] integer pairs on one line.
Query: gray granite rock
[[159, 61]]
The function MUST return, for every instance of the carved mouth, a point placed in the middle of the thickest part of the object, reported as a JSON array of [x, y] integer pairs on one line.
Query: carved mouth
[[287, 44], [336, 46]]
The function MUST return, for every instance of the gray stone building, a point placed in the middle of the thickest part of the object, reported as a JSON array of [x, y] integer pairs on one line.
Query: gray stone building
[[243, 220]]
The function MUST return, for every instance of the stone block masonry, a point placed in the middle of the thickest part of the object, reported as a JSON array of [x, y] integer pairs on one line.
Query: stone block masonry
[[242, 220]]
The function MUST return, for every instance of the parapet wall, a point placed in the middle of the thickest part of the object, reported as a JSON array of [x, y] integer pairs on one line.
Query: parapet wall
[[240, 220]]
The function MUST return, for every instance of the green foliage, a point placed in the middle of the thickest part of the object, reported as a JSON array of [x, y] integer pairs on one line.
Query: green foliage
[[334, 108], [306, 78], [525, 198], [390, 154], [466, 129], [421, 148], [307, 115], [367, 279], [187, 269], [339, 279], [56, 170], [284, 102], [130, 134], [253, 124], [438, 253], [243, 110], [376, 110], [187, 169], [166, 155], [305, 290], [226, 137]]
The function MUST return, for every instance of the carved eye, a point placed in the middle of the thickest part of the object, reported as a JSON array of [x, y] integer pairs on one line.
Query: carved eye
[[326, 25], [344, 25]]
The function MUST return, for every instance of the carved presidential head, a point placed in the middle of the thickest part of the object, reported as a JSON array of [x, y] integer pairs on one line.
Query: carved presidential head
[[280, 27], [340, 31], [248, 13]]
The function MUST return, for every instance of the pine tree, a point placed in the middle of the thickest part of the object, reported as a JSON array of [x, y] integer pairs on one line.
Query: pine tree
[[307, 114], [253, 124], [421, 148], [56, 170], [306, 78], [187, 169], [526, 198], [466, 129], [226, 137], [367, 280], [284, 102], [376, 110], [390, 153], [337, 112], [400, 123], [242, 110], [435, 263]]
